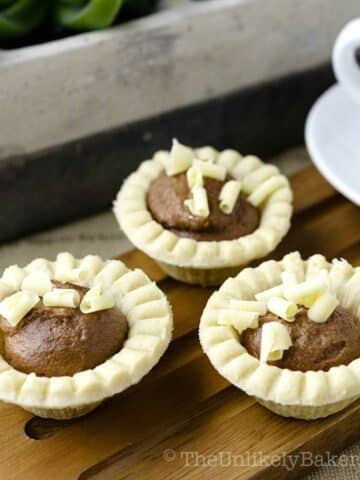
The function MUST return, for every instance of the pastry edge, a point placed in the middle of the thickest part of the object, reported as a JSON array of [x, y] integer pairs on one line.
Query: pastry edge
[[66, 397], [151, 237], [290, 393]]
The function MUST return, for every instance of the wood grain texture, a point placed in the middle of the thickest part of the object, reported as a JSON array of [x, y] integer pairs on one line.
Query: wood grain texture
[[184, 405]]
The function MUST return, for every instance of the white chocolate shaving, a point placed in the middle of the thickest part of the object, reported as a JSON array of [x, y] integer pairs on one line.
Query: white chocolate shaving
[[37, 282], [249, 306], [293, 263], [180, 158], [340, 272], [40, 265], [211, 170], [13, 276], [282, 308], [198, 205], [194, 177], [314, 265], [64, 264], [62, 297], [275, 339], [307, 292], [229, 195], [87, 269], [76, 276], [5, 290], [265, 295], [240, 320], [17, 306], [95, 300], [65, 260], [323, 307]]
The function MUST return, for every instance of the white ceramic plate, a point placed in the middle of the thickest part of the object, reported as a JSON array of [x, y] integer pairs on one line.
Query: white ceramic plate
[[332, 135]]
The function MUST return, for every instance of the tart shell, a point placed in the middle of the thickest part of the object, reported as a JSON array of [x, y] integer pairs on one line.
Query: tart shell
[[307, 395], [199, 276], [150, 323], [204, 262]]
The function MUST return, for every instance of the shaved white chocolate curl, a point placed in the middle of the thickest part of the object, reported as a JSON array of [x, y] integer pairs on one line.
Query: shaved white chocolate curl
[[239, 320], [37, 282], [293, 264], [17, 306], [198, 205], [40, 265], [265, 295], [64, 264], [189, 203], [323, 307], [249, 306], [13, 276], [282, 308], [315, 264], [87, 269], [95, 300], [5, 290], [229, 195], [212, 170], [275, 338], [307, 292], [194, 177], [340, 272], [64, 260], [180, 159], [62, 297], [76, 276]]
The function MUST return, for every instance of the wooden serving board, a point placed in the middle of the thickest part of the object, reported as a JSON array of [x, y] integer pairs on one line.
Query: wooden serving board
[[184, 405]]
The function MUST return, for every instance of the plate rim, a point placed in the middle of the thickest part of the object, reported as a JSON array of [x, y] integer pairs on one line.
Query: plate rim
[[314, 151]]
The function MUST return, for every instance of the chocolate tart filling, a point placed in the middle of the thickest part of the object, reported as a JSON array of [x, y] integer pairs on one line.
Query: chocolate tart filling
[[315, 346], [59, 341], [165, 200]]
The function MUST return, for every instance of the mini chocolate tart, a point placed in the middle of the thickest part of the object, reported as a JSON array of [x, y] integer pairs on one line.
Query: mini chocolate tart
[[165, 200], [303, 364], [203, 232], [61, 341], [75, 332]]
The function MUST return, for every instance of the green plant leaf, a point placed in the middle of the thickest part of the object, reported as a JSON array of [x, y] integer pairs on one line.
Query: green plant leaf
[[18, 17], [91, 15]]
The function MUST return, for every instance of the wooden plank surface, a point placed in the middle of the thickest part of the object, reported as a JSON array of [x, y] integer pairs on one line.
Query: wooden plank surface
[[184, 405]]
